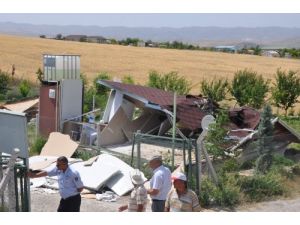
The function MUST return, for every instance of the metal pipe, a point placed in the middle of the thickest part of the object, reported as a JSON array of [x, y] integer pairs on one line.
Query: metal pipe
[[174, 131], [138, 150]]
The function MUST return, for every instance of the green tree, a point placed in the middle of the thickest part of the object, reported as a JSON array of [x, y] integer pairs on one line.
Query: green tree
[[169, 82], [128, 79], [40, 75], [257, 50], [154, 80], [248, 88], [286, 89], [100, 89], [215, 90], [265, 139], [24, 88], [59, 37], [215, 140], [84, 80], [4, 82]]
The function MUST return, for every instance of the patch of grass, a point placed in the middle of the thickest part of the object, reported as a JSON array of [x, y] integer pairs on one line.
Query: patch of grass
[[294, 122], [84, 155], [37, 145], [227, 194], [261, 187], [230, 165], [279, 160]]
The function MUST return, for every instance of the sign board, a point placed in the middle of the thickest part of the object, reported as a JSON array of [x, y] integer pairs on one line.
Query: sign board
[[13, 133]]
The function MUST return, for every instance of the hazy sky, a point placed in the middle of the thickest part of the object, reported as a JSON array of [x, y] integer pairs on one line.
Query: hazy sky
[[158, 19]]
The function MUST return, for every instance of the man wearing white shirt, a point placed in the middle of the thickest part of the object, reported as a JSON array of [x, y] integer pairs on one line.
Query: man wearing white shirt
[[160, 184], [69, 182]]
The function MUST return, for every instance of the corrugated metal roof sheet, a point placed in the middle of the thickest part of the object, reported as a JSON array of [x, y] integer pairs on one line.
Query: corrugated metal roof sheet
[[21, 106], [188, 112]]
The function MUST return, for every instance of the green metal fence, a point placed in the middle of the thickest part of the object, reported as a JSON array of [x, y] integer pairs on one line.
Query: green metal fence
[[16, 193], [173, 151]]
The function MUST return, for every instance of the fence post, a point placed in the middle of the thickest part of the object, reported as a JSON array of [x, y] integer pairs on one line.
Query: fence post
[[9, 178], [174, 131], [138, 149], [132, 149]]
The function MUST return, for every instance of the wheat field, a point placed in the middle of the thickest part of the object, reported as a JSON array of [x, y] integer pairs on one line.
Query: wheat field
[[26, 54]]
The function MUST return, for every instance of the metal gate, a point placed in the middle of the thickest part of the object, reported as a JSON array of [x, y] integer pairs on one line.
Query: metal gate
[[188, 148], [14, 194]]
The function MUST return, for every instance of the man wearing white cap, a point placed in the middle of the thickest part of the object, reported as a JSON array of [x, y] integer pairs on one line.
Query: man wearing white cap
[[138, 197], [181, 199], [160, 184]]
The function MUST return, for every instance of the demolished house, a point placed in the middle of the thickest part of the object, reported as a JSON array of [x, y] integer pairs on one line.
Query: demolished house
[[243, 126], [29, 107], [155, 112]]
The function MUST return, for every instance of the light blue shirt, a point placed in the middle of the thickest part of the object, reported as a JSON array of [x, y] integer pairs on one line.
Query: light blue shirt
[[161, 180], [68, 181]]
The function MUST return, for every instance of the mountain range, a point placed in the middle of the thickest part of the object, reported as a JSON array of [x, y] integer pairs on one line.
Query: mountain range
[[203, 36]]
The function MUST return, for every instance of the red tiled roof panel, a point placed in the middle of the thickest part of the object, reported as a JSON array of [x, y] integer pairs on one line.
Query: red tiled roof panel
[[188, 114], [153, 95]]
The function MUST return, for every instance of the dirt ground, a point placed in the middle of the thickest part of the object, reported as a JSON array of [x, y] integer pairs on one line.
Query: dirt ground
[[45, 202]]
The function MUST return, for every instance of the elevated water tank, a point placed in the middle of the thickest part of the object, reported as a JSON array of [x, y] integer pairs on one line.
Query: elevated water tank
[[59, 67]]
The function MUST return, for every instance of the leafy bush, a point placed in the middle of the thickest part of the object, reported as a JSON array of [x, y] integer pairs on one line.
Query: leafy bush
[[261, 187], [84, 155], [230, 165], [24, 88], [37, 145], [215, 90], [279, 160], [286, 90], [296, 169], [226, 194], [100, 89], [215, 141], [248, 88], [128, 79], [247, 165], [169, 82], [13, 94], [206, 194], [4, 82]]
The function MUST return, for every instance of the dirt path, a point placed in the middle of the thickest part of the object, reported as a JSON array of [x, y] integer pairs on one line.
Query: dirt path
[[45, 202], [281, 205]]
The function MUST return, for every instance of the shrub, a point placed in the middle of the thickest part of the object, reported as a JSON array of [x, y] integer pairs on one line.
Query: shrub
[[215, 90], [226, 194], [4, 82], [279, 160], [215, 140], [37, 145], [128, 79], [230, 165], [248, 88], [100, 89], [24, 88], [13, 94], [286, 89], [296, 169], [206, 194], [169, 82], [261, 187], [84, 155], [247, 165]]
